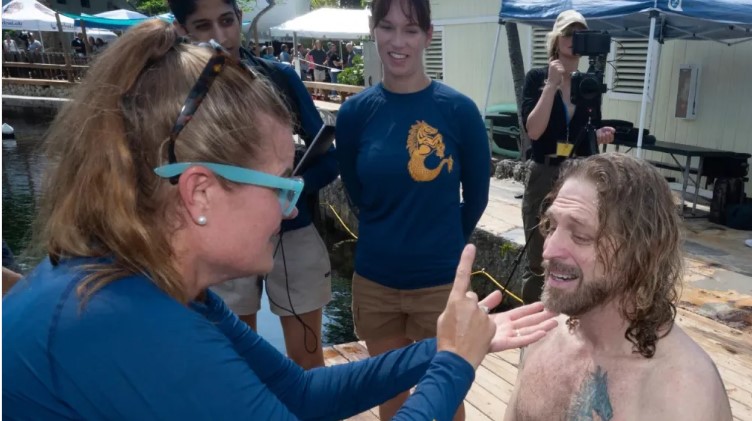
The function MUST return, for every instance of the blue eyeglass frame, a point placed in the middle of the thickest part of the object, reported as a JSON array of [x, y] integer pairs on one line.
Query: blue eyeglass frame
[[242, 175]]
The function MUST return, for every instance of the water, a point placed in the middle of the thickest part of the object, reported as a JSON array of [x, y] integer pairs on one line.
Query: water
[[22, 170]]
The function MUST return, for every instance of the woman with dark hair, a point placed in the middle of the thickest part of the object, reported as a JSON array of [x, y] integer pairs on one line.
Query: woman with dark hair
[[299, 286], [407, 147], [157, 190]]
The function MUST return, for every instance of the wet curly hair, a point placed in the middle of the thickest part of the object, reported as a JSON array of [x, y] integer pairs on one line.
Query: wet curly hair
[[638, 241]]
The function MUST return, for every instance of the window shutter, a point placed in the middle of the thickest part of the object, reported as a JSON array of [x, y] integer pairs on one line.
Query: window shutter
[[540, 55], [434, 56], [630, 59]]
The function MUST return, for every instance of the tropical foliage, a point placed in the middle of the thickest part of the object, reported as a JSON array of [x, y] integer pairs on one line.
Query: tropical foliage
[[353, 75]]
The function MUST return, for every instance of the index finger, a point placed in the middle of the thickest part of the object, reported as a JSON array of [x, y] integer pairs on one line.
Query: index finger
[[462, 276]]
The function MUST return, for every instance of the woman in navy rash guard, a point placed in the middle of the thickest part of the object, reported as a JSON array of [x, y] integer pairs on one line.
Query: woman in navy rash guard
[[168, 173]]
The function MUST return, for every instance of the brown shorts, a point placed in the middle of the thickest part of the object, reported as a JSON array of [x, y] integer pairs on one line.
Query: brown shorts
[[381, 312]]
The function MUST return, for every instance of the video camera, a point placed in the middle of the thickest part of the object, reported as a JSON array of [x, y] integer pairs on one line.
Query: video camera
[[587, 88]]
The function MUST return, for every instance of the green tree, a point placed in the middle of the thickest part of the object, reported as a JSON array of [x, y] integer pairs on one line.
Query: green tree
[[152, 7], [317, 4]]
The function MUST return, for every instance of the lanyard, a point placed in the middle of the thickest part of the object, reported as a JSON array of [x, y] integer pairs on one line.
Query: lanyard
[[566, 115]]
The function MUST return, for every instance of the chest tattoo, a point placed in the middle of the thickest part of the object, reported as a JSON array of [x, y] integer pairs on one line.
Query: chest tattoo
[[592, 403]]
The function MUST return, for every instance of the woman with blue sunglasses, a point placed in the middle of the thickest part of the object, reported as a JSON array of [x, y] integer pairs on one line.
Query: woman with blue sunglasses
[[142, 212]]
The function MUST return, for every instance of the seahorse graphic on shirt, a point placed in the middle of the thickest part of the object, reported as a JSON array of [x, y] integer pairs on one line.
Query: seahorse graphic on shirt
[[422, 141]]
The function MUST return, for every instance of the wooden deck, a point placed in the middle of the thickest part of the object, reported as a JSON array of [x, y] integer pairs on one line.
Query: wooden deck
[[731, 350]]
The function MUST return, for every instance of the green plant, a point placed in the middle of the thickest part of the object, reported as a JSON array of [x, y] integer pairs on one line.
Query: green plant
[[353, 75]]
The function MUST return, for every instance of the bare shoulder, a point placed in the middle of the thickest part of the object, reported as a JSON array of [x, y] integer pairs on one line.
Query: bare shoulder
[[684, 383], [552, 340]]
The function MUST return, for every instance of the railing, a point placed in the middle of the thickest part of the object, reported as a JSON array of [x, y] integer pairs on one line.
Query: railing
[[38, 68], [322, 90]]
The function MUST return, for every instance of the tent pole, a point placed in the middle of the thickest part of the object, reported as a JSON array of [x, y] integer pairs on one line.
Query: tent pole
[[295, 51], [648, 78], [86, 39], [66, 48], [490, 73]]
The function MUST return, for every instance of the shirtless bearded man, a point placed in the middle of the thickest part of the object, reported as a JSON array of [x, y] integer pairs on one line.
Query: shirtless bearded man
[[613, 266]]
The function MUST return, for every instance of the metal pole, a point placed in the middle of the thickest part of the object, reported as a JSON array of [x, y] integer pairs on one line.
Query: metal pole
[[646, 85], [295, 49], [490, 73]]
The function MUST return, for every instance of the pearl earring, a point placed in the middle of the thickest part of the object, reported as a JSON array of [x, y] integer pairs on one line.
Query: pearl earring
[[201, 220]]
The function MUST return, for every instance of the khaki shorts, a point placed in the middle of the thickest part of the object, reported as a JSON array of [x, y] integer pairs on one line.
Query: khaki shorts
[[308, 284], [319, 75], [381, 312]]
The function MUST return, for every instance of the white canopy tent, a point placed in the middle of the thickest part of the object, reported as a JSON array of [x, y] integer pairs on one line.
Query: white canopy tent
[[121, 14], [326, 23], [30, 15]]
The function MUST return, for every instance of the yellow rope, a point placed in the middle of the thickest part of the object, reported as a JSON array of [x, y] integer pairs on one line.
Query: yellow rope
[[480, 272], [336, 215], [487, 275]]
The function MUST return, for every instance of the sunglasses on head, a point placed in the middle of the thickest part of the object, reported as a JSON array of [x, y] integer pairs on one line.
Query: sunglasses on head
[[289, 188]]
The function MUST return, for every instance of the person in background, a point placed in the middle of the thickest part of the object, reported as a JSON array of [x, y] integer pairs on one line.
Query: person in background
[[311, 66], [613, 267], [269, 53], [350, 56], [300, 56], [284, 56], [79, 45], [413, 156], [333, 62], [9, 45], [554, 126], [100, 45], [319, 58], [35, 47], [299, 286]]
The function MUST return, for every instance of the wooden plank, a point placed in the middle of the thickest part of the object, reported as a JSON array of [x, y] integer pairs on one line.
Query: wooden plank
[[474, 414], [511, 356], [333, 357], [333, 86], [25, 81], [326, 105], [486, 402], [499, 388], [353, 351], [501, 368]]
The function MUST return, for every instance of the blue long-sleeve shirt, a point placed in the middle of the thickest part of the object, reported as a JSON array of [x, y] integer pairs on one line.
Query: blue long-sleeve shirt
[[403, 159], [324, 170], [131, 352]]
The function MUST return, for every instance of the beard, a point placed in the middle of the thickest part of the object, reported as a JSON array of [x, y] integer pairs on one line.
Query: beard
[[585, 297]]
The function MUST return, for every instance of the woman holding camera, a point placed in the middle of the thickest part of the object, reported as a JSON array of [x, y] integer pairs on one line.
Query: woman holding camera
[[554, 126]]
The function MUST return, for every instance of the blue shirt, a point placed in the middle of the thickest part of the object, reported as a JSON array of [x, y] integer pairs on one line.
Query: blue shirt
[[403, 159], [131, 352]]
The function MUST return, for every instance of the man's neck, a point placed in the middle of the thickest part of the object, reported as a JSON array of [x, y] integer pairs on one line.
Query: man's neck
[[603, 330]]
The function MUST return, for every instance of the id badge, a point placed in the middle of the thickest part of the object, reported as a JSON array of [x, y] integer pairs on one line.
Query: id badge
[[563, 149]]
